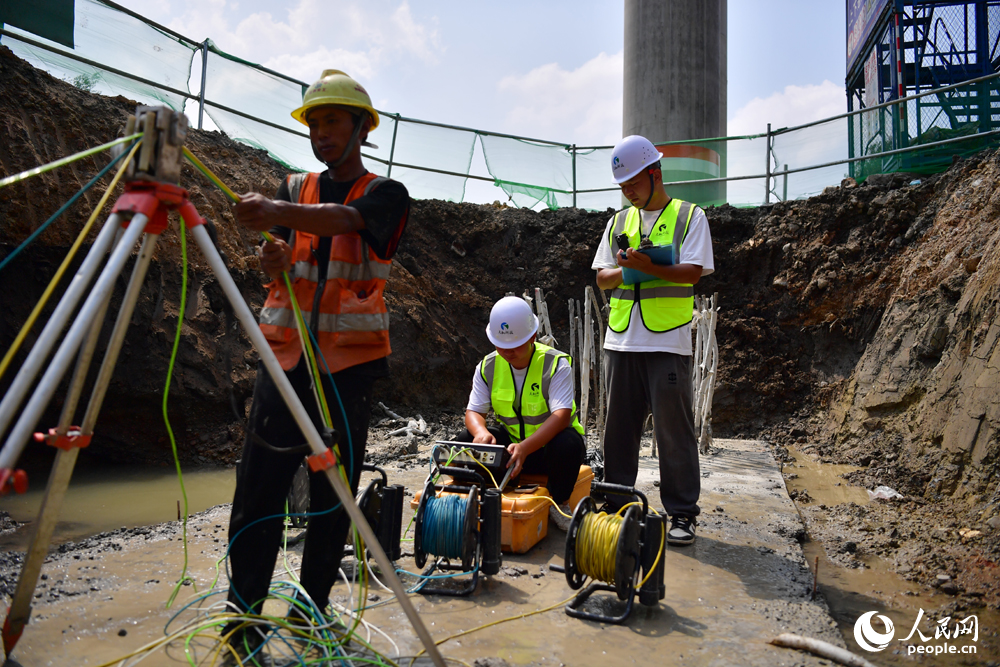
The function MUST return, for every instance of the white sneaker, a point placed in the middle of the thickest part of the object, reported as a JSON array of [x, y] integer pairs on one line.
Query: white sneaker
[[561, 522]]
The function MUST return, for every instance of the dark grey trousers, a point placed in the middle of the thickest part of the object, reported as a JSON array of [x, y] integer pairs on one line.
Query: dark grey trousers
[[657, 382]]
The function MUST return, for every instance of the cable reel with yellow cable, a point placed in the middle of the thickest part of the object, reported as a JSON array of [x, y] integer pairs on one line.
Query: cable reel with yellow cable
[[459, 524], [621, 553]]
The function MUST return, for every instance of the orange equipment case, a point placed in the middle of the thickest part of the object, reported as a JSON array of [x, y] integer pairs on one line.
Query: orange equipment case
[[524, 516]]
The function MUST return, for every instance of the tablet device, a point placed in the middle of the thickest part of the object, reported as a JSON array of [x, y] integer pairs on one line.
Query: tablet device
[[660, 254]]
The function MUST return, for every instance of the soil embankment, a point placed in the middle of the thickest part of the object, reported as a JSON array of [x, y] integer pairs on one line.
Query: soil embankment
[[860, 324]]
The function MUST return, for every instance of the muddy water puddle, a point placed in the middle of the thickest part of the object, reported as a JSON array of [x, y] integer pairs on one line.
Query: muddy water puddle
[[874, 587], [822, 481], [102, 498]]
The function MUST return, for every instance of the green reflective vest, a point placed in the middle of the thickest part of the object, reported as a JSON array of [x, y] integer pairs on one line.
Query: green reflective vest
[[522, 413], [662, 305]]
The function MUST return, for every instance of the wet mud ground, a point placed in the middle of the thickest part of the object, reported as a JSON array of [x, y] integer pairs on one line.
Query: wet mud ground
[[743, 582], [855, 579]]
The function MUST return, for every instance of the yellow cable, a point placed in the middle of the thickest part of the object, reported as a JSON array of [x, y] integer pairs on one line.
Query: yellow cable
[[596, 544], [299, 320], [598, 537], [30, 322], [208, 173], [66, 160], [497, 622]]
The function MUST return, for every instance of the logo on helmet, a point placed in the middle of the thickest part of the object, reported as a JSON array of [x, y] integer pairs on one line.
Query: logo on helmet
[[616, 164], [505, 329]]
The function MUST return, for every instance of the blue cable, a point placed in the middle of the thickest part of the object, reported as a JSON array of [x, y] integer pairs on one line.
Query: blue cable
[[28, 241], [340, 403], [254, 522], [350, 467], [428, 577], [444, 523]]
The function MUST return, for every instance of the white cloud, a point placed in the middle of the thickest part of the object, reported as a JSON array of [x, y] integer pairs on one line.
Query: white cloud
[[308, 66], [795, 105], [582, 106], [818, 144], [361, 38]]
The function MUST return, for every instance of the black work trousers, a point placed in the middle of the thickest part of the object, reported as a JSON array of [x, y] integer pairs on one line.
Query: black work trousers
[[657, 382], [560, 459], [264, 475]]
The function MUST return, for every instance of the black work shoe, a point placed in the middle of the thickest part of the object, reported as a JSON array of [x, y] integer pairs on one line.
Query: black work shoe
[[681, 530], [245, 642]]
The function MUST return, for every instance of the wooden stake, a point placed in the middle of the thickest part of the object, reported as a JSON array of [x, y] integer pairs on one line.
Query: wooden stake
[[815, 577]]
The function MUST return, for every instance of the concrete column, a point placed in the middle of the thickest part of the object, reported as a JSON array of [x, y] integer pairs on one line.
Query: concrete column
[[675, 87]]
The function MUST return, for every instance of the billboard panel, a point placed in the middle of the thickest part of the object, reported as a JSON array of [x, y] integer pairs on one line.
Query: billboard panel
[[861, 18]]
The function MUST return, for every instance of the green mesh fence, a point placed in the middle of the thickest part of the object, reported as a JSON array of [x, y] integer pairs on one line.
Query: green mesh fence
[[114, 38], [954, 121], [234, 85], [431, 147], [530, 172], [116, 52]]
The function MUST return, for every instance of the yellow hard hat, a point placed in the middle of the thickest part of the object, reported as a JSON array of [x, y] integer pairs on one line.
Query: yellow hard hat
[[335, 87]]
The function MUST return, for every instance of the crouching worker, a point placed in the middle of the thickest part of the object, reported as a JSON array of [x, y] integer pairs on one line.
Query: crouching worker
[[529, 387]]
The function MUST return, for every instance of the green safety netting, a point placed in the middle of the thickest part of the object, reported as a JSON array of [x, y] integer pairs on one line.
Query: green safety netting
[[252, 104], [51, 19], [593, 172], [530, 172], [745, 156], [432, 147], [108, 36], [813, 145], [964, 116], [240, 86]]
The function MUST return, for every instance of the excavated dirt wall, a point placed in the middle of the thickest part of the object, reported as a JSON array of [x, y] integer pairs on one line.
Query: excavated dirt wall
[[860, 323]]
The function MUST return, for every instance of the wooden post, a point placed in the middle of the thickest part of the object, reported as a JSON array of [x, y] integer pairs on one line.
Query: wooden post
[[588, 344]]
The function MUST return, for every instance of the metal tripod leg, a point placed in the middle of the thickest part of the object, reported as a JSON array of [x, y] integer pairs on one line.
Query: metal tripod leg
[[57, 322], [342, 490], [101, 292], [62, 469]]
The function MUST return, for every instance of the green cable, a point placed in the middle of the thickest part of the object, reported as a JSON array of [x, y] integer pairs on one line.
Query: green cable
[[24, 175], [166, 418], [307, 349], [299, 321]]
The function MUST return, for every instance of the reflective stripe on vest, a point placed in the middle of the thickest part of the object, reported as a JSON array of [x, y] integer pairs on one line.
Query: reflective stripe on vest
[[662, 305], [522, 418], [351, 321]]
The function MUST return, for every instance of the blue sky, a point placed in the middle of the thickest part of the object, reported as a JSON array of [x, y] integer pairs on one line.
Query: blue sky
[[549, 70]]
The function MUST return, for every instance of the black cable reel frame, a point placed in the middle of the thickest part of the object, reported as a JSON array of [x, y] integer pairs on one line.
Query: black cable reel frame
[[380, 502], [480, 539], [638, 555]]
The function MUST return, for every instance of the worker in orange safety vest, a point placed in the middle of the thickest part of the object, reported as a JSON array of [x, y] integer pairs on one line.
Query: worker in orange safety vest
[[335, 233]]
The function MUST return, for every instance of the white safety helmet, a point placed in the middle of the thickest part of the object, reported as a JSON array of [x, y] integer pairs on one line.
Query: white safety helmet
[[512, 323], [631, 155]]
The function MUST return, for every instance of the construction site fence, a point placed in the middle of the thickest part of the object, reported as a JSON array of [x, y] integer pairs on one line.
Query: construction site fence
[[118, 52]]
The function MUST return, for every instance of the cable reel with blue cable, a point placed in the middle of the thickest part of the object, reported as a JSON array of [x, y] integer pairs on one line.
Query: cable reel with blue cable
[[459, 524], [621, 553]]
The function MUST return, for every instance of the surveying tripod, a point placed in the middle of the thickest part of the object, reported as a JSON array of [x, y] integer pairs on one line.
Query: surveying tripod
[[151, 191]]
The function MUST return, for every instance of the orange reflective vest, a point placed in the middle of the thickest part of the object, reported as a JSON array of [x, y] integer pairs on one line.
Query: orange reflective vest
[[351, 322]]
